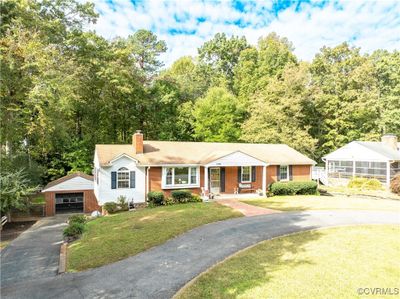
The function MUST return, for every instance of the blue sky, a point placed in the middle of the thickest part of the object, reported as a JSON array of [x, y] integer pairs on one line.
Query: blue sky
[[187, 24]]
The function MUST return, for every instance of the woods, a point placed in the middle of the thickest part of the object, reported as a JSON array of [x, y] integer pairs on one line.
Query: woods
[[65, 88]]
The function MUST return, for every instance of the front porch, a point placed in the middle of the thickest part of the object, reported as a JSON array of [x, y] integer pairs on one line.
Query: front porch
[[234, 176]]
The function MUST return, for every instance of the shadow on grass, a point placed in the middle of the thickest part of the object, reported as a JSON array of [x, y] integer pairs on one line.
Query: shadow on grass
[[257, 265]]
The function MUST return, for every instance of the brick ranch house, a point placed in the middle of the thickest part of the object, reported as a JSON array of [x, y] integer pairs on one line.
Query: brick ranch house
[[133, 170]]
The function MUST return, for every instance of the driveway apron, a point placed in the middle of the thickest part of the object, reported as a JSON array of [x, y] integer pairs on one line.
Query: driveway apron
[[161, 271], [35, 253]]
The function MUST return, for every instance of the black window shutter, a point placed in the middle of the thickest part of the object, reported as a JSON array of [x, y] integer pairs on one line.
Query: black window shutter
[[113, 180], [222, 179], [133, 179], [253, 173], [278, 172], [290, 173], [239, 174]]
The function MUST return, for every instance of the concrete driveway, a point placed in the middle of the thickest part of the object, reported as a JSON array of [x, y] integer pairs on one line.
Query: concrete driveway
[[161, 271], [35, 253]]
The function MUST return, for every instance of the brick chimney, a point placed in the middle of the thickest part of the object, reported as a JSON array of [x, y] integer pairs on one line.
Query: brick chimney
[[137, 142], [390, 140]]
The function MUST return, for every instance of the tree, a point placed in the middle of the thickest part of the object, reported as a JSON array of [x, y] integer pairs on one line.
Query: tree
[[345, 98], [277, 113], [218, 58], [218, 116], [14, 191]]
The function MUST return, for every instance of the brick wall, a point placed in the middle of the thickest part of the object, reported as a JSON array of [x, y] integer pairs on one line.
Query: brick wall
[[300, 173]]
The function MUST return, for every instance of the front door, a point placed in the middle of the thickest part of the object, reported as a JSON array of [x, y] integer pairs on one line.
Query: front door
[[215, 180]]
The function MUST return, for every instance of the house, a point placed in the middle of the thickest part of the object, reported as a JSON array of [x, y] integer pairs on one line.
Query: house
[[71, 193], [379, 160], [133, 170]]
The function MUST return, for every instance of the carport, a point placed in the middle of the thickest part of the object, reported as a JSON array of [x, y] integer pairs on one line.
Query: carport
[[70, 194]]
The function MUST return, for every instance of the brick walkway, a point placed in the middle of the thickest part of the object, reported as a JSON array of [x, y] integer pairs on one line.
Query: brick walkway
[[245, 209]]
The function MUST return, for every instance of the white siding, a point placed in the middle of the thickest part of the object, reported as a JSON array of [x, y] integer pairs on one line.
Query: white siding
[[76, 183], [103, 190], [236, 159]]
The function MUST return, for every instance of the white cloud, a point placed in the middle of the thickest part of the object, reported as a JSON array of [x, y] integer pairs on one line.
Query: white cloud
[[369, 25]]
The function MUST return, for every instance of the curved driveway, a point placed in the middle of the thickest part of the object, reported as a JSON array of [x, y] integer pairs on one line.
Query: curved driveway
[[161, 271]]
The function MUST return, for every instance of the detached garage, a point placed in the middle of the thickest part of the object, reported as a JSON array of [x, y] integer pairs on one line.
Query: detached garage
[[71, 194]]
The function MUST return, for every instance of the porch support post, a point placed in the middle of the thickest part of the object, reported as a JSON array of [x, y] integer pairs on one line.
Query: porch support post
[[205, 178], [388, 174], [264, 180]]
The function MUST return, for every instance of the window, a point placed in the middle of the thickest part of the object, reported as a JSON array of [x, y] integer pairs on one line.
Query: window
[[283, 173], [193, 175], [246, 174], [123, 178], [180, 176]]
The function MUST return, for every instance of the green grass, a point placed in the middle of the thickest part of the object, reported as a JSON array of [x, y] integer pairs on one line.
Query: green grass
[[115, 237], [314, 202], [326, 263]]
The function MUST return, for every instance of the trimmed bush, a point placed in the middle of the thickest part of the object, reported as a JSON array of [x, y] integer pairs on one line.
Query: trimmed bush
[[155, 198], [74, 230], [395, 184], [294, 188], [111, 207], [365, 184], [79, 218], [181, 196]]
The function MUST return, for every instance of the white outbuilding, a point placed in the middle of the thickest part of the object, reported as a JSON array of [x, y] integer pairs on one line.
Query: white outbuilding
[[379, 160]]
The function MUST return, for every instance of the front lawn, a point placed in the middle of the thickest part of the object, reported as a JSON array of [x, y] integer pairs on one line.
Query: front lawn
[[313, 202], [115, 237], [326, 263]]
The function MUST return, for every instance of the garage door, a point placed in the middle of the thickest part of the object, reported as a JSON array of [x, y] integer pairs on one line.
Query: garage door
[[69, 202]]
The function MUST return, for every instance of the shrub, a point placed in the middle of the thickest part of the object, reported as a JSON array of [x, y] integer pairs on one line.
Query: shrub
[[74, 230], [365, 184], [168, 201], [181, 196], [78, 218], [395, 184], [196, 198], [294, 188], [111, 207], [122, 203], [155, 198]]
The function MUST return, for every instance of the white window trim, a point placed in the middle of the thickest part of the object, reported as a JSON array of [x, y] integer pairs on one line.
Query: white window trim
[[287, 173], [179, 186], [241, 175], [129, 178]]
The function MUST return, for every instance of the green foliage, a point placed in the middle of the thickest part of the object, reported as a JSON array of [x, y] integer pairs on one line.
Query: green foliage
[[122, 203], [395, 184], [111, 207], [218, 116], [294, 188], [14, 191], [155, 197], [365, 184], [74, 230], [181, 196], [77, 218], [59, 84]]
